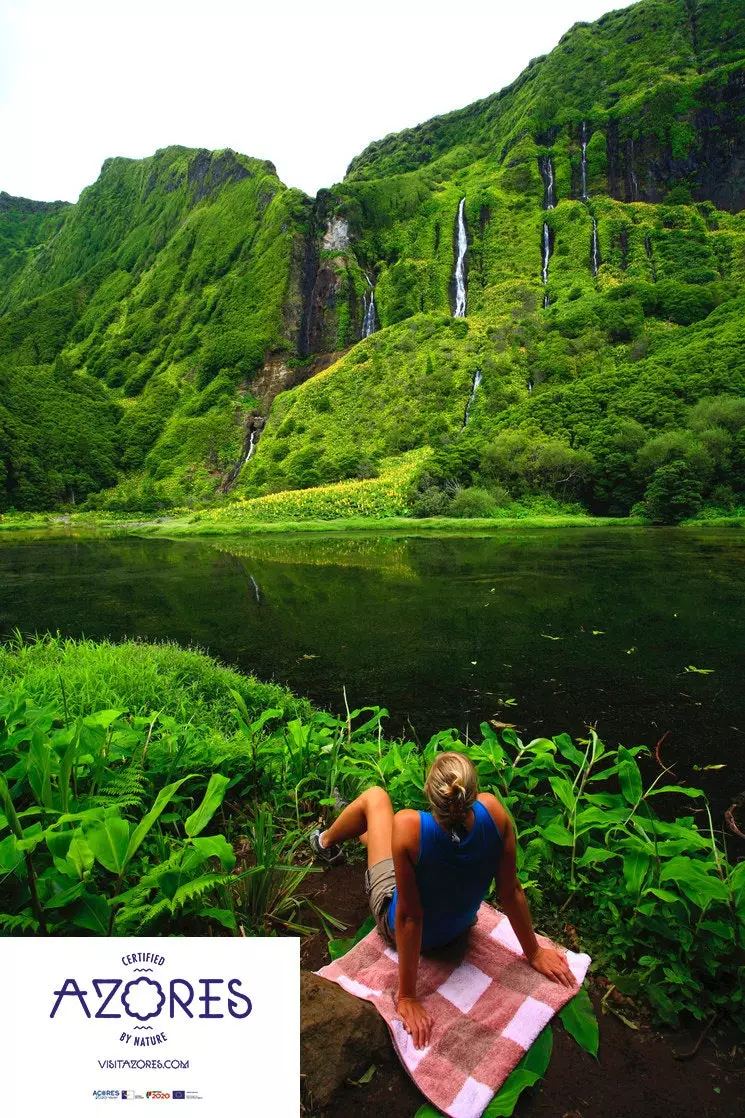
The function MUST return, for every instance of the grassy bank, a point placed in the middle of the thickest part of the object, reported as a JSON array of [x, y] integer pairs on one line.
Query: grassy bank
[[148, 789]]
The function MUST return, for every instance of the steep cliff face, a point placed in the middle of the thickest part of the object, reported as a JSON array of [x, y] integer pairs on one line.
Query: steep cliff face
[[602, 200]]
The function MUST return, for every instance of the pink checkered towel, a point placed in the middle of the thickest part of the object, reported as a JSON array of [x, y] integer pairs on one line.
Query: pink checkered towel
[[488, 1008]]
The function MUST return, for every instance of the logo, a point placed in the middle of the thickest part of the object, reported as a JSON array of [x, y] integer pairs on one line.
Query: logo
[[144, 996], [105, 1094], [179, 1094], [131, 1095], [158, 1095]]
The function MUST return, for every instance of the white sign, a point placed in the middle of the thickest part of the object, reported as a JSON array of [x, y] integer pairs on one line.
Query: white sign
[[213, 1023]]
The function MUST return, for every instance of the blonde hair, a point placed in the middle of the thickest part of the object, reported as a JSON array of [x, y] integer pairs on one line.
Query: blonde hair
[[451, 788]]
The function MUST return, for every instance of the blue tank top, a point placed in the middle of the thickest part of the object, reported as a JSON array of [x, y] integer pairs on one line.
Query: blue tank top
[[452, 877]]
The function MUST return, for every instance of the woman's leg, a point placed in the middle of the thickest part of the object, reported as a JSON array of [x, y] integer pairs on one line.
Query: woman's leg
[[371, 814]]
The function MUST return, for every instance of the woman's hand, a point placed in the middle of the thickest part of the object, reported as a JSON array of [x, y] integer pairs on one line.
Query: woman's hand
[[417, 1021], [553, 965]]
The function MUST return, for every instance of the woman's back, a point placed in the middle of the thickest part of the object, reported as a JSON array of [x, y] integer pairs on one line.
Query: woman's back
[[453, 876]]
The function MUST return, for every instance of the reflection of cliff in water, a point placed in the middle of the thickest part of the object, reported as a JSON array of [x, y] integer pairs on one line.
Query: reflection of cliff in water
[[439, 630]]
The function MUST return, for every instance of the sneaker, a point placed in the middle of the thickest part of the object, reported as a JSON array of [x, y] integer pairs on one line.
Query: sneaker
[[331, 855]]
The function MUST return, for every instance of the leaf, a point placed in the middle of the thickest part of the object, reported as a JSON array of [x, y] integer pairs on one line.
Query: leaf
[[339, 947], [557, 833], [594, 854], [598, 632], [92, 913], [428, 1111], [690, 876], [363, 1079], [548, 637], [635, 869], [80, 856], [699, 671], [145, 824], [65, 896], [531, 1068], [693, 793], [629, 776], [211, 801], [102, 719], [569, 750], [579, 1020], [563, 789], [108, 839], [216, 846], [223, 916]]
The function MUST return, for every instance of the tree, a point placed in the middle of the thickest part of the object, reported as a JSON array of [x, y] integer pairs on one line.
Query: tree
[[673, 494]]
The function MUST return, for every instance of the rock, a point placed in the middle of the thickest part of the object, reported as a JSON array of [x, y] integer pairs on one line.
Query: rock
[[340, 1036]]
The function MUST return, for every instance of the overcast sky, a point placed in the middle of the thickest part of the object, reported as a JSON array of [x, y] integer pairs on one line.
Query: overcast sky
[[305, 84]]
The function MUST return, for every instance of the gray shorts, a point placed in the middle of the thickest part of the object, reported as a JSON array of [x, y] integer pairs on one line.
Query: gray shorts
[[380, 881]]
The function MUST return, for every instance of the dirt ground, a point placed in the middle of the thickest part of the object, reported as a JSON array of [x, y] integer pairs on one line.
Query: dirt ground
[[636, 1074]]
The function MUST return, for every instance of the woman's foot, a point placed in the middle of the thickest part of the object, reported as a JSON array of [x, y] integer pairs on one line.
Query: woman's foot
[[331, 855]]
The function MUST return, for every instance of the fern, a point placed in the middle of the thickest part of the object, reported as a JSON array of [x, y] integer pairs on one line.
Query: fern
[[191, 890], [14, 925], [124, 788]]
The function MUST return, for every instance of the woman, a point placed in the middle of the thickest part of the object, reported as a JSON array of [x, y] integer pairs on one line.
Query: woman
[[428, 872]]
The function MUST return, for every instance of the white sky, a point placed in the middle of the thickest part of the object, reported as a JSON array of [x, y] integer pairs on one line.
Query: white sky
[[305, 83]]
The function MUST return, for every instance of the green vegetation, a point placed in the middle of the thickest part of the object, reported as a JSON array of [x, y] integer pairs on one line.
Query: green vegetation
[[148, 788], [189, 297]]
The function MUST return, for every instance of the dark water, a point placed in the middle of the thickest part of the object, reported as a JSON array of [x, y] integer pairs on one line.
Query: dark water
[[440, 631]]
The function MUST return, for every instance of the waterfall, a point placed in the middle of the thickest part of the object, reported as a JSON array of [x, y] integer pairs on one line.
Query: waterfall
[[460, 264], [546, 165], [546, 256], [650, 258], [595, 248], [251, 445], [530, 385], [255, 585], [477, 378], [584, 195], [632, 173], [369, 320]]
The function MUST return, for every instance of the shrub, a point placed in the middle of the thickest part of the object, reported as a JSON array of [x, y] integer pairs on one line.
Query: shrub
[[673, 494]]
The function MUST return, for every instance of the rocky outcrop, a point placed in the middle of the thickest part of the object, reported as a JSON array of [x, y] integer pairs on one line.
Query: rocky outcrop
[[340, 1037]]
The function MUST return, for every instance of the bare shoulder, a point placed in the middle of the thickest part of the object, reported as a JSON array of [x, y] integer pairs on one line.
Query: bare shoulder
[[495, 809], [406, 828]]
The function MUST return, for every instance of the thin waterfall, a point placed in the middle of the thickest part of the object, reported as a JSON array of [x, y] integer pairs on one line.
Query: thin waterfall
[[546, 256], [595, 248], [460, 264], [477, 378], [530, 385], [632, 173], [251, 445], [255, 585], [546, 167], [583, 164], [369, 320], [650, 257]]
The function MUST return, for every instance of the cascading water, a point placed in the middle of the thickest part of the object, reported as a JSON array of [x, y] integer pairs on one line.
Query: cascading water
[[632, 173], [547, 173], [369, 320], [477, 378], [251, 446], [650, 257], [546, 256], [595, 248], [530, 385], [255, 585], [460, 263], [583, 164]]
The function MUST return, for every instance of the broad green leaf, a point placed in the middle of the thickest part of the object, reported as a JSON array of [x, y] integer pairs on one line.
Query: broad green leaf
[[102, 719], [691, 878], [223, 916], [595, 854], [629, 776], [563, 790], [339, 947], [568, 749], [531, 1068], [80, 856], [92, 913], [65, 896], [108, 839], [211, 801], [635, 869], [579, 1020], [216, 846], [40, 768], [10, 856], [557, 833], [147, 822], [428, 1111], [66, 764], [663, 895]]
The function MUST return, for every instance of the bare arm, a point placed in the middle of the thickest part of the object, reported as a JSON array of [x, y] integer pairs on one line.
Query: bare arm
[[408, 929], [512, 898]]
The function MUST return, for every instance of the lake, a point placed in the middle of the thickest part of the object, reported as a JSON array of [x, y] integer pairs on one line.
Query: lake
[[552, 630]]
